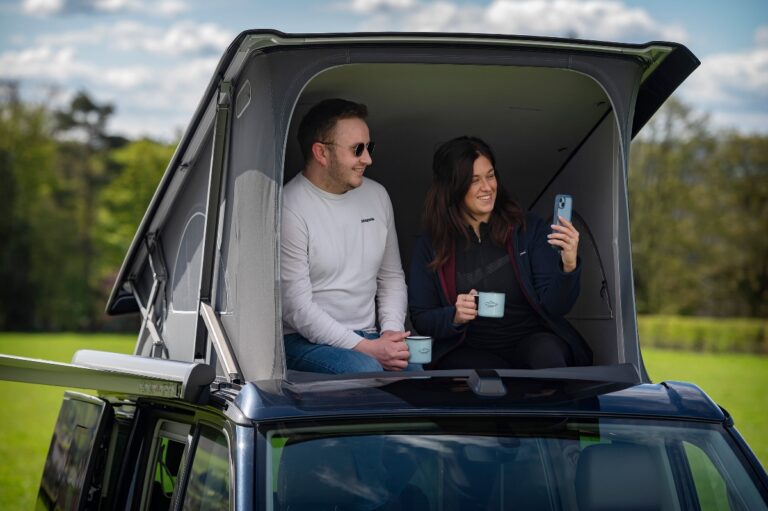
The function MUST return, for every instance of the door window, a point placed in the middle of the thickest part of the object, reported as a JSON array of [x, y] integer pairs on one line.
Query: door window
[[715, 488], [73, 453], [209, 478], [167, 460]]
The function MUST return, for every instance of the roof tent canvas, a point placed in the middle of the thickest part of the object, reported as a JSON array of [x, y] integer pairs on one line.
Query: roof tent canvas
[[204, 265]]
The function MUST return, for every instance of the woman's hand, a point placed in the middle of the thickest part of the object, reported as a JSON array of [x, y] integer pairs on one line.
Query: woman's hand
[[566, 237], [466, 308]]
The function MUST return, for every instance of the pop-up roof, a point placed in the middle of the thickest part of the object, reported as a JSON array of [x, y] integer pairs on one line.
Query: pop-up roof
[[203, 267]]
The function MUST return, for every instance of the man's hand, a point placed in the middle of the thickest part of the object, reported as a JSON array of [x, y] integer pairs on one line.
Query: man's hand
[[389, 349]]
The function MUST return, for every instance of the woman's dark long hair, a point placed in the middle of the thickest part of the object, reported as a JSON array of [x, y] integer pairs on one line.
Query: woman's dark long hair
[[444, 209]]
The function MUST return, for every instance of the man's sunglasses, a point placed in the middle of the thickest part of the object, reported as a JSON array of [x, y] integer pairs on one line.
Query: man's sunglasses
[[358, 148]]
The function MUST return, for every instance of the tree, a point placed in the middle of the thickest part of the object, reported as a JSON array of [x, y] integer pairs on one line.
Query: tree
[[23, 149], [71, 197], [30, 223], [699, 206], [84, 168], [124, 200], [737, 214], [665, 181]]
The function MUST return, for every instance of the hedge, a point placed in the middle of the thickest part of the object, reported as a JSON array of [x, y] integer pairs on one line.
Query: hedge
[[717, 335]]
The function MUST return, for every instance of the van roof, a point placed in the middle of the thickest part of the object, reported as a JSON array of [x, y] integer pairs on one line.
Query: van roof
[[455, 392]]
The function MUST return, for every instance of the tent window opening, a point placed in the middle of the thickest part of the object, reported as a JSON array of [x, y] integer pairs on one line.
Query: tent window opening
[[185, 284]]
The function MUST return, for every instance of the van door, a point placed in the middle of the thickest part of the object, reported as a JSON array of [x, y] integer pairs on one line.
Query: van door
[[186, 466], [79, 444]]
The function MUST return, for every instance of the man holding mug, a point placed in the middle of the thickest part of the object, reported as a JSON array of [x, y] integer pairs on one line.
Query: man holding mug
[[339, 252]]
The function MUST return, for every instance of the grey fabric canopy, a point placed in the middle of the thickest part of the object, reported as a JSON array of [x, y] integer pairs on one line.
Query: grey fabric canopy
[[204, 266]]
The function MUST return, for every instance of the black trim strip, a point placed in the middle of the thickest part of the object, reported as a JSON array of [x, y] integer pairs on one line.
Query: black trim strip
[[658, 87]]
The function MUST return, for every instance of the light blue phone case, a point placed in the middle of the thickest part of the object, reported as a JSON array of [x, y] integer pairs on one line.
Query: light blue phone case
[[563, 207]]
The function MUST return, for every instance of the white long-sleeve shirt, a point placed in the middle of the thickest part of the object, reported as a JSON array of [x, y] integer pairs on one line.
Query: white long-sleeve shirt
[[338, 253]]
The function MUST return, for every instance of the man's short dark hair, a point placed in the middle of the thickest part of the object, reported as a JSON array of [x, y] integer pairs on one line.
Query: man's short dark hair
[[320, 120]]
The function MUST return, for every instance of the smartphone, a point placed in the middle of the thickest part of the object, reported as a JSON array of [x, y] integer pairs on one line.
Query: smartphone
[[563, 208]]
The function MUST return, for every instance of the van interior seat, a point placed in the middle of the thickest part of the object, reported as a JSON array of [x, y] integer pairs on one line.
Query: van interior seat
[[327, 473], [347, 473], [618, 476]]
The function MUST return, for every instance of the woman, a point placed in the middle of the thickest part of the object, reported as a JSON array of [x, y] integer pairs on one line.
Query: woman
[[478, 239]]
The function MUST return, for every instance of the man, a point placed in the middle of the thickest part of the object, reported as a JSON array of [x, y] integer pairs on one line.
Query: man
[[339, 251]]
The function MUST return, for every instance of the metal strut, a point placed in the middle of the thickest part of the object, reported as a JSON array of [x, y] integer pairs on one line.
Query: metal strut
[[159, 279], [208, 324]]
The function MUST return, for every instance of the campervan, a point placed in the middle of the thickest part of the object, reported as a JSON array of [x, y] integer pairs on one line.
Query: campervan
[[205, 414]]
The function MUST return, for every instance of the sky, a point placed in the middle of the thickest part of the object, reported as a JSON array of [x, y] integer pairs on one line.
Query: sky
[[152, 59]]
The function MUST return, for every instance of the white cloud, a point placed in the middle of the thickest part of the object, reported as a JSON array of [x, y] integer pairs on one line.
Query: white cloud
[[761, 36], [733, 87], [42, 7], [60, 66], [42, 62], [116, 5], [592, 19], [446, 17], [184, 37], [127, 78], [742, 121], [367, 6], [586, 19], [179, 87], [170, 7], [64, 7], [163, 89], [162, 106], [181, 38], [95, 35], [731, 79], [160, 95]]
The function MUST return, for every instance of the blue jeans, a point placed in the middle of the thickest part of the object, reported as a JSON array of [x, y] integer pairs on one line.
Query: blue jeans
[[302, 355]]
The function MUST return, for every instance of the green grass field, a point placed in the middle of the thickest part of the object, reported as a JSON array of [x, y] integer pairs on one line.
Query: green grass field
[[29, 412], [736, 381]]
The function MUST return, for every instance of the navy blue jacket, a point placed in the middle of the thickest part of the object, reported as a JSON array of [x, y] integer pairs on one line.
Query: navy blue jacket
[[537, 267]]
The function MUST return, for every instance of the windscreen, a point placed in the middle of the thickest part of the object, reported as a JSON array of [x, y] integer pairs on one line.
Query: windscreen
[[498, 465]]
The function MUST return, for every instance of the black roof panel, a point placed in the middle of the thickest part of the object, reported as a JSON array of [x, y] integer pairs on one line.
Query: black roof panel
[[450, 392]]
